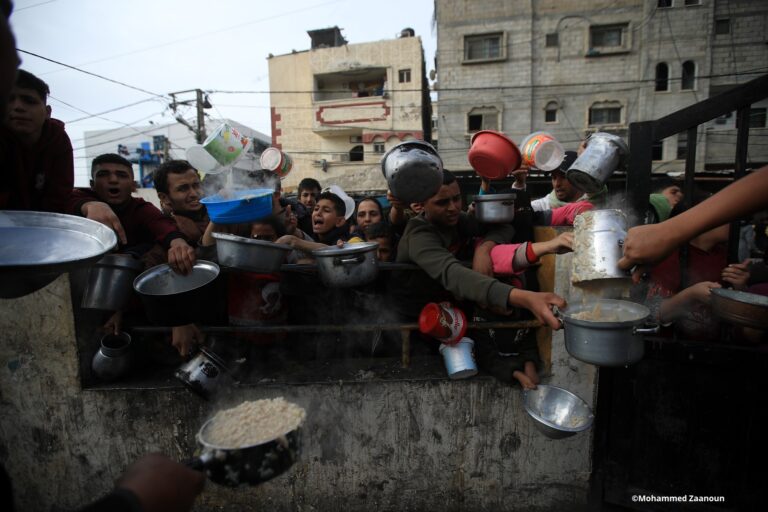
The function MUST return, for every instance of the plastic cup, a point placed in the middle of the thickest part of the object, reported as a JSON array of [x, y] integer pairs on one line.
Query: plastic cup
[[459, 359], [542, 151]]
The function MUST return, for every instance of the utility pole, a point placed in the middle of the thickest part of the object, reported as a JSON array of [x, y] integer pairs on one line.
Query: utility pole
[[201, 102]]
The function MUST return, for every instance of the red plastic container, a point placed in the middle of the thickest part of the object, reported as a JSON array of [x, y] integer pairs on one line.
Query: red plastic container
[[493, 155], [443, 321]]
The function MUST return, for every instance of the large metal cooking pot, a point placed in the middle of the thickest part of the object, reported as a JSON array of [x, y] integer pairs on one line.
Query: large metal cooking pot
[[350, 265], [414, 171], [740, 308], [556, 412], [495, 208], [174, 299], [110, 282], [598, 240], [37, 247], [249, 254], [607, 332], [249, 465], [604, 153]]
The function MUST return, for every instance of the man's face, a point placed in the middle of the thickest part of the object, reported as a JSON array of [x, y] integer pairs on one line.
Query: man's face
[[26, 114], [113, 183], [184, 192], [325, 218], [564, 190], [444, 207], [673, 194], [367, 213], [308, 197], [384, 252]]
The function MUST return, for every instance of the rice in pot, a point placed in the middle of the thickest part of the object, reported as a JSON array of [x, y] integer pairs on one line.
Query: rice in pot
[[253, 422]]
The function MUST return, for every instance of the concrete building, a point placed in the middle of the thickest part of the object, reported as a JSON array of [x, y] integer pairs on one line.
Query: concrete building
[[573, 68], [338, 107]]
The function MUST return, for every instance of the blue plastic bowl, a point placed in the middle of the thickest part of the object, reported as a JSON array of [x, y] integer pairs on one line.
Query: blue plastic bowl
[[239, 206]]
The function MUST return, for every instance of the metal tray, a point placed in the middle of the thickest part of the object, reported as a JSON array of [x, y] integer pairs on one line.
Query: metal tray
[[740, 308]]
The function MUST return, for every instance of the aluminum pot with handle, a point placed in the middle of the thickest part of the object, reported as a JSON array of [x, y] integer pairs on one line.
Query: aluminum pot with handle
[[413, 170], [249, 465], [604, 153], [495, 208], [110, 282], [607, 332], [598, 245], [350, 265]]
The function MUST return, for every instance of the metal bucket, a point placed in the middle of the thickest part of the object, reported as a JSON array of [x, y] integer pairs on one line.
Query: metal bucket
[[598, 240], [603, 154], [459, 360], [110, 282]]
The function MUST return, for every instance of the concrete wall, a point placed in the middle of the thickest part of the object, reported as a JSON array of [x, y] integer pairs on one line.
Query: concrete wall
[[403, 444]]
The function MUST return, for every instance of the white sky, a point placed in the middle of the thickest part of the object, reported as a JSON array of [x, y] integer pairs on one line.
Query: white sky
[[164, 46]]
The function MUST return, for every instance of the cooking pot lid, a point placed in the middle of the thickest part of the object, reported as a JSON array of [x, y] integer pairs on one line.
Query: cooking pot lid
[[347, 249], [162, 280], [250, 241], [495, 197]]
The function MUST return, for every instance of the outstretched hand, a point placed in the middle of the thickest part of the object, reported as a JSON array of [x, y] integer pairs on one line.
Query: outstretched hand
[[161, 484], [101, 212], [650, 243], [538, 303]]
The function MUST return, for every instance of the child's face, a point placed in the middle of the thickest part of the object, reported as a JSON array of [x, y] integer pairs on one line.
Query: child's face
[[384, 252], [113, 183], [263, 232], [325, 218], [367, 213], [308, 197]]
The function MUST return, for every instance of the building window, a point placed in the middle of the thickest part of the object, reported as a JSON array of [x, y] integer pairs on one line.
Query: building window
[[605, 113], [434, 123], [607, 36], [722, 27], [485, 47], [552, 40], [482, 119], [355, 139], [657, 150], [356, 154], [682, 145], [757, 117], [692, 2], [662, 76], [689, 75], [664, 3], [378, 148], [550, 112], [404, 75]]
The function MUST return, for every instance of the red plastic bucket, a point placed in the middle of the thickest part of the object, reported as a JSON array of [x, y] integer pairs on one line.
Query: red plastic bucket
[[272, 159], [443, 321], [493, 155]]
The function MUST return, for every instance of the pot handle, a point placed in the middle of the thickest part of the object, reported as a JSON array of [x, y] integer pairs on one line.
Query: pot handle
[[652, 329], [349, 261], [199, 463], [558, 315]]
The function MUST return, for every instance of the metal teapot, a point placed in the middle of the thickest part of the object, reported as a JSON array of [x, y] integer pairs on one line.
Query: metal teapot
[[413, 170]]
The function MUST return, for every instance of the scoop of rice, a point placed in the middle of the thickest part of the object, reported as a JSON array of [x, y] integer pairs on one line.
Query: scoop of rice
[[253, 422]]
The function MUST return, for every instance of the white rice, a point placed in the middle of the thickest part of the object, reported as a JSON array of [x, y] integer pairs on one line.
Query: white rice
[[252, 423]]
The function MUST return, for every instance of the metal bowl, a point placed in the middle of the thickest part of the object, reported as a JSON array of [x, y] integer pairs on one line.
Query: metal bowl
[[413, 170], [741, 308], [249, 254], [557, 412], [37, 247]]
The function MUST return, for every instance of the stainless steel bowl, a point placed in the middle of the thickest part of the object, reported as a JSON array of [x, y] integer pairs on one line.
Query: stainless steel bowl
[[495, 208], [413, 170], [249, 254], [557, 412], [37, 247]]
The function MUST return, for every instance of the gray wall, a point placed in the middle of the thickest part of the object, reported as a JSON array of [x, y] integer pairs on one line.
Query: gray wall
[[412, 444]]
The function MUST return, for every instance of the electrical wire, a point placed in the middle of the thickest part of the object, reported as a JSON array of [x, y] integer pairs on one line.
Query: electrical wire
[[31, 6]]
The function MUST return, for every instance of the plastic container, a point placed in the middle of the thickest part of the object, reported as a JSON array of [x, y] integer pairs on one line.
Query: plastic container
[[493, 155], [542, 151], [225, 144], [459, 359], [239, 206], [272, 159], [443, 321]]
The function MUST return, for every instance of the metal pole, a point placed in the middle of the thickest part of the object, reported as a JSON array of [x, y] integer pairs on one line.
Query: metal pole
[[200, 132]]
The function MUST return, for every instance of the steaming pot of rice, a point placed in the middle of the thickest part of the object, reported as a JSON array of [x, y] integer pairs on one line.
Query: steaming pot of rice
[[251, 443]]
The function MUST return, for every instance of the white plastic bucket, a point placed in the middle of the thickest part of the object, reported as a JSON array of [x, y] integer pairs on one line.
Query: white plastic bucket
[[542, 151], [459, 359]]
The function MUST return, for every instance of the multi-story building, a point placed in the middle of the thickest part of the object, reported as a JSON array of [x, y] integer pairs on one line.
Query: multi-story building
[[572, 68], [338, 107]]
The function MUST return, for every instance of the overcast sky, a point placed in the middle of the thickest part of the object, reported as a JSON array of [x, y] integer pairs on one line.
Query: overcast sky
[[163, 46]]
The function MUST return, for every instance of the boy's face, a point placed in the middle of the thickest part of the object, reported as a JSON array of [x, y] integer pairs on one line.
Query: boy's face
[[263, 232], [26, 113], [673, 194], [184, 192], [443, 208], [384, 252], [325, 218], [113, 183], [308, 197], [564, 190]]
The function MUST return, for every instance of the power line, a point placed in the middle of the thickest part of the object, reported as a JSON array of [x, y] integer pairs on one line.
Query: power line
[[92, 74], [90, 116], [31, 6]]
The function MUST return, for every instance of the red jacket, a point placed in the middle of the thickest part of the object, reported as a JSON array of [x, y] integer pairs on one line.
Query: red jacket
[[143, 222], [37, 178]]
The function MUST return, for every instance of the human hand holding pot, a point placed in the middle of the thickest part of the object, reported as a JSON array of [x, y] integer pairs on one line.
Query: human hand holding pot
[[101, 212], [649, 243], [161, 484], [520, 176], [561, 244], [737, 274], [538, 303], [186, 338], [181, 257]]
